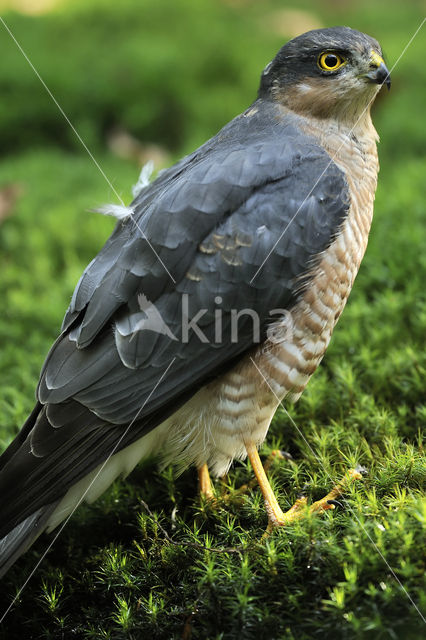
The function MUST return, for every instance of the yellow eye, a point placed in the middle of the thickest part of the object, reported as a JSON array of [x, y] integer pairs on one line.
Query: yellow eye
[[330, 61]]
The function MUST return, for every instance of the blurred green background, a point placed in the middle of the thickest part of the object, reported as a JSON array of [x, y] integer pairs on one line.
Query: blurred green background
[[154, 79]]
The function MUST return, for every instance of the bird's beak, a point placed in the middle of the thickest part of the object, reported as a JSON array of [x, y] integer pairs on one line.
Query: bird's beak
[[379, 73]]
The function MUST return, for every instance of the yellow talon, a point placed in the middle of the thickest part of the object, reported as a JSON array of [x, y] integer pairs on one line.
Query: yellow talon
[[276, 517]]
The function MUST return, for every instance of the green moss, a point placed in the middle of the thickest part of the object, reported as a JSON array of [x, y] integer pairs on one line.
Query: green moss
[[183, 569]]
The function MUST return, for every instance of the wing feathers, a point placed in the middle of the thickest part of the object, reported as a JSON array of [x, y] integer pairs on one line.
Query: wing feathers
[[259, 189]]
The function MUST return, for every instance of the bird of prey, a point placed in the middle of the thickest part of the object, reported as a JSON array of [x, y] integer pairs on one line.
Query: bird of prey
[[214, 298]]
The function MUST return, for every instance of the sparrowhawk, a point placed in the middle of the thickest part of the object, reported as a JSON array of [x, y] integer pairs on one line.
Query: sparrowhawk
[[214, 298]]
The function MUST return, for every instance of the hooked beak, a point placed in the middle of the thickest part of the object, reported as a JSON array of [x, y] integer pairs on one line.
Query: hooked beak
[[379, 73]]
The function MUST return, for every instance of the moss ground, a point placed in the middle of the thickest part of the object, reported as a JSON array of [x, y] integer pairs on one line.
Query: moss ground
[[173, 567]]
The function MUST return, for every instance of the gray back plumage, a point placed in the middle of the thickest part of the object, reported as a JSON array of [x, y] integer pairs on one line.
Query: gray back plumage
[[212, 219]]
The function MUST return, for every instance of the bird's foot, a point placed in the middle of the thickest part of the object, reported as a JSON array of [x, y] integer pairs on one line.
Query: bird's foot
[[278, 518], [300, 509]]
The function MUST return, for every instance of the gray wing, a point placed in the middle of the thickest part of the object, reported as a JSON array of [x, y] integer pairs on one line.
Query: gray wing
[[212, 220]]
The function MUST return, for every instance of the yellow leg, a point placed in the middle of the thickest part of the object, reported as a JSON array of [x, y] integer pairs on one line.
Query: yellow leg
[[276, 454], [276, 517], [206, 488]]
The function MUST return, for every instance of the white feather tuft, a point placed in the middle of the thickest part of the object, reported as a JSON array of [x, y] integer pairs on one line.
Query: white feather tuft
[[144, 178], [116, 210]]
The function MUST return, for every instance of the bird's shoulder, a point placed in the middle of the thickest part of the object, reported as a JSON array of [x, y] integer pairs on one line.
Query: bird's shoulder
[[183, 206], [247, 248]]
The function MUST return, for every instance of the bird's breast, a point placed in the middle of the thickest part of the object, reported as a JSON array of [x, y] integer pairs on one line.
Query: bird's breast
[[306, 331], [215, 424]]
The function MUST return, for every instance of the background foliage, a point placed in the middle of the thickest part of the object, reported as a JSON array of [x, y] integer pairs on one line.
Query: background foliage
[[157, 78]]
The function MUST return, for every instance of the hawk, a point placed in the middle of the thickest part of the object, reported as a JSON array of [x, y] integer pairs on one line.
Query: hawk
[[214, 298]]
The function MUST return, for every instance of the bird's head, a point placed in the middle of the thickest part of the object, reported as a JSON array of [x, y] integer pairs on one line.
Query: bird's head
[[325, 73]]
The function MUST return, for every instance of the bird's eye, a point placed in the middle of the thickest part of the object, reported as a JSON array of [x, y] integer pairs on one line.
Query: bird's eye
[[330, 61]]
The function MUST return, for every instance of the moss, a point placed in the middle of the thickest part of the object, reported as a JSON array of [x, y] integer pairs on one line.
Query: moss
[[181, 569]]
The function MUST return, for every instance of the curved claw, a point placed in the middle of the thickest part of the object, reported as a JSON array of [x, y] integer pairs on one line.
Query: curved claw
[[276, 517]]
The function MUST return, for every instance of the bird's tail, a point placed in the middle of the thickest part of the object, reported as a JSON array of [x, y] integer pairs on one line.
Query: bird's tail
[[19, 539]]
